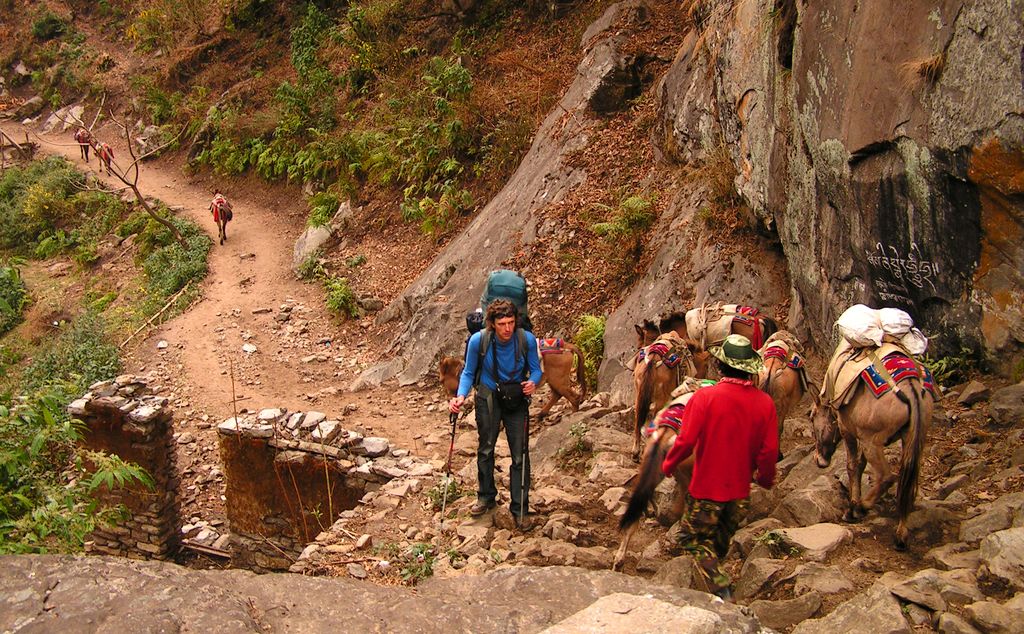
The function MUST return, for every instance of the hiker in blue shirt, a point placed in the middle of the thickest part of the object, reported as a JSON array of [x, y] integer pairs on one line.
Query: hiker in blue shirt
[[503, 364]]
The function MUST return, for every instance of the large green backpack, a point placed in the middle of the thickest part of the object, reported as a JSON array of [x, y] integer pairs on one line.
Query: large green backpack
[[506, 284]]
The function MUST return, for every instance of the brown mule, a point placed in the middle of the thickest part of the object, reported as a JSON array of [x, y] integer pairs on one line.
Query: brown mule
[[105, 154], [778, 378], [650, 476], [448, 374], [654, 382], [867, 424], [557, 366]]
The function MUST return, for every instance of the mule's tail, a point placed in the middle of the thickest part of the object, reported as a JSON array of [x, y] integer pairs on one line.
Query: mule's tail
[[649, 477], [913, 448], [581, 373], [645, 395]]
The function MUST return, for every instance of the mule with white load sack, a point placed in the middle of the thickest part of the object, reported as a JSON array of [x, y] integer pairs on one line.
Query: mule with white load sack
[[874, 392]]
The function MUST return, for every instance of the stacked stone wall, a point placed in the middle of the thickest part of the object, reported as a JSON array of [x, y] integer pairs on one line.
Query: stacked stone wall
[[288, 477], [123, 418]]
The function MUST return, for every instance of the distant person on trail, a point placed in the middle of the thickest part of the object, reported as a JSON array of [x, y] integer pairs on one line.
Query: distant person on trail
[[84, 139], [222, 214], [732, 425], [503, 364], [506, 284]]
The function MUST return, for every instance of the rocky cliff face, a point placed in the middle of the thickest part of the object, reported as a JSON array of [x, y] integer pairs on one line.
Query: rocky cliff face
[[882, 143], [881, 146]]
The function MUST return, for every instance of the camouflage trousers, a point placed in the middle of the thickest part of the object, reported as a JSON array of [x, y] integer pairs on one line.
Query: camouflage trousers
[[705, 531]]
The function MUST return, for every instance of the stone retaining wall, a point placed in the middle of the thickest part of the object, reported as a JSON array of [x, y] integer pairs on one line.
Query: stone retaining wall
[[289, 476], [124, 418]]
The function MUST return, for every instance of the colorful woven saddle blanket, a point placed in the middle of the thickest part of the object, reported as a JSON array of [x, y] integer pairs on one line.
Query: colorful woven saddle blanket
[[850, 364], [779, 350], [669, 347], [671, 416], [899, 367], [550, 346]]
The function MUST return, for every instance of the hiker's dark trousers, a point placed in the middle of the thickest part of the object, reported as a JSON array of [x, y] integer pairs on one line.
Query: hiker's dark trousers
[[488, 423]]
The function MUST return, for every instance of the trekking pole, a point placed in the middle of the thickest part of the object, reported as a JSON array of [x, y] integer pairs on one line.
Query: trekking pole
[[453, 417], [522, 473]]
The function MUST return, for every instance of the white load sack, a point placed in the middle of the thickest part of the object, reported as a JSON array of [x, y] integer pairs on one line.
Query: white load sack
[[860, 326], [915, 342], [894, 321]]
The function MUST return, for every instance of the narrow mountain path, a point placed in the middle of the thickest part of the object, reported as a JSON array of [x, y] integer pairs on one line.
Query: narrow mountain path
[[304, 358]]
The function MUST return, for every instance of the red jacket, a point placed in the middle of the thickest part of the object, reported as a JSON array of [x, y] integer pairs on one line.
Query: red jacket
[[733, 427]]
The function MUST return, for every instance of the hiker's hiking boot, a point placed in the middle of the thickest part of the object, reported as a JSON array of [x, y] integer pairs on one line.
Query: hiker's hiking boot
[[523, 522], [480, 508]]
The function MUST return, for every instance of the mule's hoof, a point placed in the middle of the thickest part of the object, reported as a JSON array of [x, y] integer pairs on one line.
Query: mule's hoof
[[900, 545], [850, 517]]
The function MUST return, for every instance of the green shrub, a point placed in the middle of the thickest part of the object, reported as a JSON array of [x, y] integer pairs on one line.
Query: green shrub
[[312, 268], [574, 456], [169, 267], [340, 298], [135, 223], [436, 493], [322, 207], [46, 485], [35, 200], [13, 296], [355, 261], [418, 563], [952, 369], [80, 356], [633, 216], [52, 244], [48, 26], [590, 339]]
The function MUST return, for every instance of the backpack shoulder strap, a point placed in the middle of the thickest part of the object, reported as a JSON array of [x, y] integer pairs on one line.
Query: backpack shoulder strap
[[485, 342], [522, 351]]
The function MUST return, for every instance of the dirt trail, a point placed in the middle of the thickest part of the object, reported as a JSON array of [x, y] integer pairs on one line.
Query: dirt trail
[[305, 358]]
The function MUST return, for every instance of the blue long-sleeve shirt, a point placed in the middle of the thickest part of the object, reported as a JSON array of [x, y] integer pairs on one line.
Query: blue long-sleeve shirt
[[510, 361]]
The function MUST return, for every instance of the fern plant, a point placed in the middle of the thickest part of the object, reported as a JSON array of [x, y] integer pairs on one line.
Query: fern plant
[[13, 295], [590, 339], [340, 298], [46, 484]]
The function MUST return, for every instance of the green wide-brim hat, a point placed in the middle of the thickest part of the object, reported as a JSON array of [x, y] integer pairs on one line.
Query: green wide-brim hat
[[736, 352]]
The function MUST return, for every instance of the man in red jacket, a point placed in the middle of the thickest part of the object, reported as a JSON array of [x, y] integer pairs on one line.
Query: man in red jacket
[[733, 428]]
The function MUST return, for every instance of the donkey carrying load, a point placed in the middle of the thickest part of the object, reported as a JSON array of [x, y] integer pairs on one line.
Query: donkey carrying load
[[871, 397]]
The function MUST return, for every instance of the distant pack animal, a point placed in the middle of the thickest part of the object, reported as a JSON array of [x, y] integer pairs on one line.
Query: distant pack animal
[[222, 215], [84, 139], [882, 404], [448, 374], [105, 154]]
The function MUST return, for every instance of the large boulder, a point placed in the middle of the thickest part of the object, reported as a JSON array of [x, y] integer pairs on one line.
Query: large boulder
[[1004, 512], [1002, 557], [1006, 407], [874, 611], [431, 309], [114, 594]]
